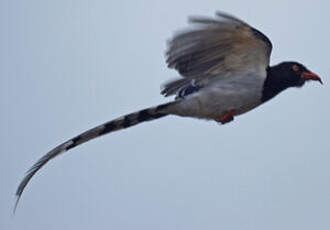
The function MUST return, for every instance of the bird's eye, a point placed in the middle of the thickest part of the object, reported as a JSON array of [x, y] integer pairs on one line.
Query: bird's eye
[[295, 68]]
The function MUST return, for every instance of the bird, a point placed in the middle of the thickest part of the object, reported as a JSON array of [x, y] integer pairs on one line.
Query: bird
[[224, 68]]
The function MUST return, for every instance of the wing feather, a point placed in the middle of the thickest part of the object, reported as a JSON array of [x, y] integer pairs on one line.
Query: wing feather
[[218, 45]]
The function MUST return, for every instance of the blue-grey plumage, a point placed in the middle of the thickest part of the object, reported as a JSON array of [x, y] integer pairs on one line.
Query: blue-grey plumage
[[241, 94], [224, 68]]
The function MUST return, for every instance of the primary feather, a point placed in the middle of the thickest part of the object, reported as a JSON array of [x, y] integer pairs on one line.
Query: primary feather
[[215, 47]]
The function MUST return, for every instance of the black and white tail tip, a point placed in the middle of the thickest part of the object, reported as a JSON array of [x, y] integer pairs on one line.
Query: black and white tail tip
[[108, 127]]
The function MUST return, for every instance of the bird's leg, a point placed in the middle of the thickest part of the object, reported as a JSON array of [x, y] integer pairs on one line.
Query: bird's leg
[[227, 117]]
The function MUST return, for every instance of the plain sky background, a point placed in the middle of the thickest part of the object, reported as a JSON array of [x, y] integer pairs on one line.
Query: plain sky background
[[67, 66]]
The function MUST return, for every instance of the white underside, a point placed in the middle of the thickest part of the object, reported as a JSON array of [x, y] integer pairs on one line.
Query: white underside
[[240, 94]]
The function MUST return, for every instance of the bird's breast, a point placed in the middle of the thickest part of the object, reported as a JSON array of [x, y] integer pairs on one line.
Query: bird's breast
[[240, 94]]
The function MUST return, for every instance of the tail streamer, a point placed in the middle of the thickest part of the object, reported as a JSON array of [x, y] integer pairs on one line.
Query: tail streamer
[[123, 122]]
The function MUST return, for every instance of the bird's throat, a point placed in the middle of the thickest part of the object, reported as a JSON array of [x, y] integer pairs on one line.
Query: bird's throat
[[273, 84]]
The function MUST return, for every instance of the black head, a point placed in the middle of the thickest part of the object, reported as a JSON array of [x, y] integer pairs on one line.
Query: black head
[[285, 75], [293, 74]]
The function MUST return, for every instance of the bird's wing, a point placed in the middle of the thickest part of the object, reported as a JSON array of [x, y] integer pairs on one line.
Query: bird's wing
[[216, 46]]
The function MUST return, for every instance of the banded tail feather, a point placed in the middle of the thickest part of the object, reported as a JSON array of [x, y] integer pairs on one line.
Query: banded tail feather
[[123, 122]]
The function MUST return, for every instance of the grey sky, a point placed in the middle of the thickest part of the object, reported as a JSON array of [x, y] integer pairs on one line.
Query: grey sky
[[67, 66]]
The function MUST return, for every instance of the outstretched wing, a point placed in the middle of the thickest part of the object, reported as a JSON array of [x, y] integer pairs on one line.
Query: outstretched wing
[[216, 46]]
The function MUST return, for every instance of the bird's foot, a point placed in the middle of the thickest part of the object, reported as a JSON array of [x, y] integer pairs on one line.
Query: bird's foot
[[227, 117]]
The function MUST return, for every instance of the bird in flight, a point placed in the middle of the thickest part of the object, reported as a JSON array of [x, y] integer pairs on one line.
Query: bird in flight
[[224, 72]]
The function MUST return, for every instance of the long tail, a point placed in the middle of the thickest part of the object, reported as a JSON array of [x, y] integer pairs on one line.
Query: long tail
[[108, 127]]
